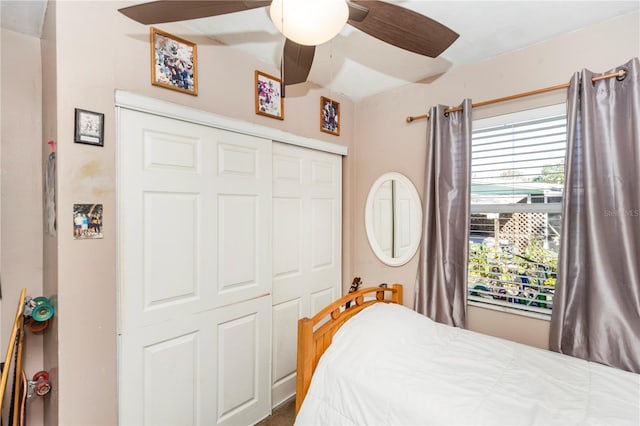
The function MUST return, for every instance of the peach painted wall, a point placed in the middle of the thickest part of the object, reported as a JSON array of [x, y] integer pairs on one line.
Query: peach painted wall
[[385, 142], [21, 214], [99, 50], [50, 241], [89, 50]]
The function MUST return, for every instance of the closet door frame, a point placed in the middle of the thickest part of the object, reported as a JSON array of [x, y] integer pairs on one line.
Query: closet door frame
[[124, 99]]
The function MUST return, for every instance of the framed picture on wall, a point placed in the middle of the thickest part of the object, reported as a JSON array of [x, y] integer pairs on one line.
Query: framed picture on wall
[[329, 116], [269, 100], [174, 62], [89, 127], [87, 221]]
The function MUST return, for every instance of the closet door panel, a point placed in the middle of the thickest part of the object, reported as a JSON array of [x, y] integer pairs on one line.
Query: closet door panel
[[285, 325], [170, 275], [321, 298], [242, 335], [307, 190], [237, 242], [166, 373], [288, 255], [164, 229], [194, 273], [243, 219]]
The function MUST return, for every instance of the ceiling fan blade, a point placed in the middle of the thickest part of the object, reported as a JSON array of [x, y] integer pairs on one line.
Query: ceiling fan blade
[[157, 12], [357, 12], [296, 62], [401, 27]]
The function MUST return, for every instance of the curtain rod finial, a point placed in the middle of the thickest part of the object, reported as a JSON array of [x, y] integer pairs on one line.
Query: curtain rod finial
[[409, 119], [621, 74]]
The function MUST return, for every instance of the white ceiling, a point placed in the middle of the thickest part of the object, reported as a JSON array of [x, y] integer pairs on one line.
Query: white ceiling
[[25, 16], [358, 65]]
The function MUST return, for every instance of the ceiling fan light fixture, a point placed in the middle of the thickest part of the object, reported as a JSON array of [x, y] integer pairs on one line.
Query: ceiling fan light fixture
[[309, 22]]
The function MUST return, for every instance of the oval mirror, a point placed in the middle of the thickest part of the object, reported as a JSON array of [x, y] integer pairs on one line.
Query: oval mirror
[[393, 219]]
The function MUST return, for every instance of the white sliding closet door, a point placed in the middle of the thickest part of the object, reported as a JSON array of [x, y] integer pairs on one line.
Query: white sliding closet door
[[194, 256], [307, 242]]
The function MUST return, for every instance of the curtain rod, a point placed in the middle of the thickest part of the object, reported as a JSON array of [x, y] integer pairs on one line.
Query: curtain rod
[[620, 75]]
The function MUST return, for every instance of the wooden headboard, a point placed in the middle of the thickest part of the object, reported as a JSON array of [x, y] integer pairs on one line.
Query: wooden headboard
[[313, 342]]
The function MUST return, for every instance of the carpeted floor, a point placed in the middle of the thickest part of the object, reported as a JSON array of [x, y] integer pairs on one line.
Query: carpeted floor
[[284, 415]]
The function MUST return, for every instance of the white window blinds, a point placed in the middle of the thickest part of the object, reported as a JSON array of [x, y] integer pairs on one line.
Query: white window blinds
[[517, 170]]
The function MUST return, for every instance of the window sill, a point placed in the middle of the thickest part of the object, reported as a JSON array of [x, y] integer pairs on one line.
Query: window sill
[[508, 310]]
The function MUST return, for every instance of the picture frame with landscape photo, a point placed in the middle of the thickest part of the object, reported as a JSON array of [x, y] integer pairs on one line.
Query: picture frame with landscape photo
[[89, 127], [269, 101], [174, 62], [329, 116]]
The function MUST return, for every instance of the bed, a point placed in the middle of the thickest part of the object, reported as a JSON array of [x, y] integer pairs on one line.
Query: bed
[[378, 362]]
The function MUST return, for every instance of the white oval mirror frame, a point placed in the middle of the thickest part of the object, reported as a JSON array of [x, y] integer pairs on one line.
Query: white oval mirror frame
[[410, 210]]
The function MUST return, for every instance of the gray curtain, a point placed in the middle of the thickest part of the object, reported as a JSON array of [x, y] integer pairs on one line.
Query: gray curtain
[[596, 307], [441, 284]]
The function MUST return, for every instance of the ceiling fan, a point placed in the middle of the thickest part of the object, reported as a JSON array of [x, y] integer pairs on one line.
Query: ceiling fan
[[388, 22]]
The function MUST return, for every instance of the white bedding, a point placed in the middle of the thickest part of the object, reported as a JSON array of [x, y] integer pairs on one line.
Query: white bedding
[[390, 366]]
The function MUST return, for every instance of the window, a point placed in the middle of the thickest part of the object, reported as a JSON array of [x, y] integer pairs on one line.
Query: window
[[517, 179]]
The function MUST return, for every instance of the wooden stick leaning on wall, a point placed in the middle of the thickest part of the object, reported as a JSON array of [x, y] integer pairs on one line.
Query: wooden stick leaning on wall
[[620, 75], [11, 347], [17, 386], [312, 343]]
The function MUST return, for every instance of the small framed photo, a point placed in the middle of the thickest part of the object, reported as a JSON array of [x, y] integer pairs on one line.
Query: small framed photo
[[89, 128], [87, 221], [174, 62], [329, 116], [269, 100]]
